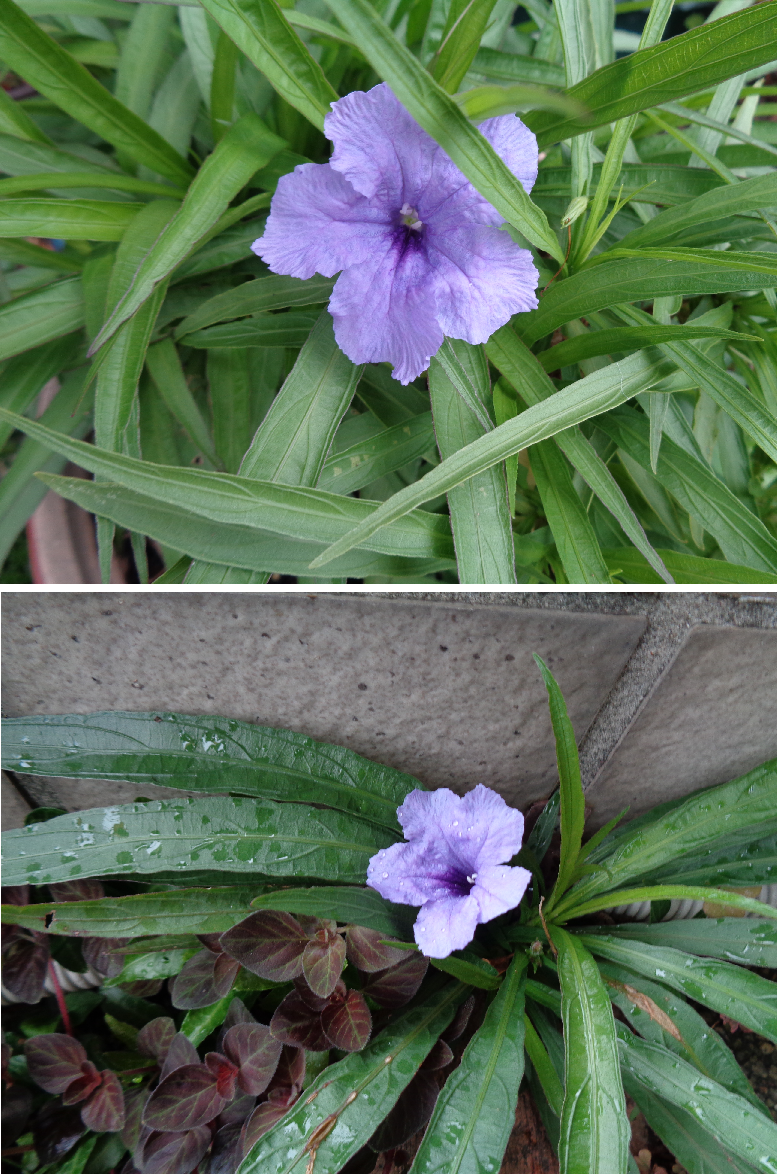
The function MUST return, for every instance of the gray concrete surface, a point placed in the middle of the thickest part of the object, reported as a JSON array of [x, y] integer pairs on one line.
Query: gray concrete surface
[[668, 691]]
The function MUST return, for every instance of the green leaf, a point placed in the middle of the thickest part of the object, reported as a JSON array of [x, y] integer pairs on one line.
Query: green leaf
[[570, 786], [731, 1120], [229, 380], [468, 967], [730, 200], [165, 369], [39, 317], [363, 462], [480, 520], [25, 375], [440, 117], [514, 67], [691, 826], [623, 340], [543, 1066], [594, 1127], [144, 53], [630, 566], [263, 330], [407, 551], [657, 182], [640, 278], [261, 31], [730, 990], [14, 120], [224, 833], [173, 911], [246, 147], [695, 1148], [596, 393], [207, 754], [159, 964], [390, 401], [475, 1111], [82, 179], [523, 371], [252, 297], [694, 61], [742, 536], [353, 906], [44, 64], [660, 892], [696, 1043], [199, 1023], [295, 436], [466, 23], [737, 939], [377, 1075], [751, 861], [574, 535], [492, 101], [23, 253]]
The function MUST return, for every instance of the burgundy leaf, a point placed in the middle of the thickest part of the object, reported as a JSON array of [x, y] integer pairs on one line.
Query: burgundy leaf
[[134, 1101], [211, 941], [83, 1085], [267, 944], [256, 1053], [309, 999], [225, 1154], [175, 1153], [225, 1072], [25, 962], [439, 1057], [54, 1060], [17, 1102], [187, 1098], [396, 986], [263, 1118], [181, 1051], [237, 1013], [155, 1038], [56, 1130], [460, 1020], [98, 953], [411, 1113], [348, 1023], [224, 974], [237, 1111], [104, 1111], [322, 962], [77, 890], [144, 988], [194, 986], [290, 1072], [366, 951], [295, 1023]]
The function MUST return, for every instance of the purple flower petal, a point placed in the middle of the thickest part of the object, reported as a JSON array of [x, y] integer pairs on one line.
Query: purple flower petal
[[412, 874], [319, 224], [499, 888], [478, 829], [384, 310], [379, 148], [483, 278], [444, 926]]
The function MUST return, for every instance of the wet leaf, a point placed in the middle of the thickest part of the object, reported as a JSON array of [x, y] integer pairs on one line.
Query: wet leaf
[[155, 1038], [175, 1153], [396, 986], [181, 1051], [186, 1099], [83, 1085], [25, 963], [294, 1022], [410, 1114], [263, 1118], [256, 1053], [368, 950], [196, 984], [56, 1130], [225, 1072]]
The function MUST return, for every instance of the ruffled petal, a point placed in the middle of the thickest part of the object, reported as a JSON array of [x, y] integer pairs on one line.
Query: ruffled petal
[[379, 148], [499, 888], [425, 812], [384, 309], [444, 926], [412, 874], [318, 223], [515, 144], [471, 831], [483, 278]]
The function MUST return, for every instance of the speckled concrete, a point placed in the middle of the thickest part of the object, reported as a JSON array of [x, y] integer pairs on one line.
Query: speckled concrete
[[446, 692]]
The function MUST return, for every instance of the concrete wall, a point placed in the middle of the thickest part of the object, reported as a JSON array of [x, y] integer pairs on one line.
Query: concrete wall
[[668, 692]]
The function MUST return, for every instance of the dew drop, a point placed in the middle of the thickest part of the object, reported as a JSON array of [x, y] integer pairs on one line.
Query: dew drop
[[385, 876]]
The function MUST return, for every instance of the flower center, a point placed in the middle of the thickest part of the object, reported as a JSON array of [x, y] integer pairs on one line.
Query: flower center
[[410, 218]]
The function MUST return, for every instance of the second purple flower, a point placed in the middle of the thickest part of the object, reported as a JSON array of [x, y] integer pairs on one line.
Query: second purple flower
[[419, 251]]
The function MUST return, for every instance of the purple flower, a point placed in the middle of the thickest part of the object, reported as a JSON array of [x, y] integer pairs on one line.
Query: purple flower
[[418, 249], [452, 865]]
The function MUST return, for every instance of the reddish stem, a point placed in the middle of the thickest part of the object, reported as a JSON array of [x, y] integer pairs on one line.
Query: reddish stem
[[60, 998]]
